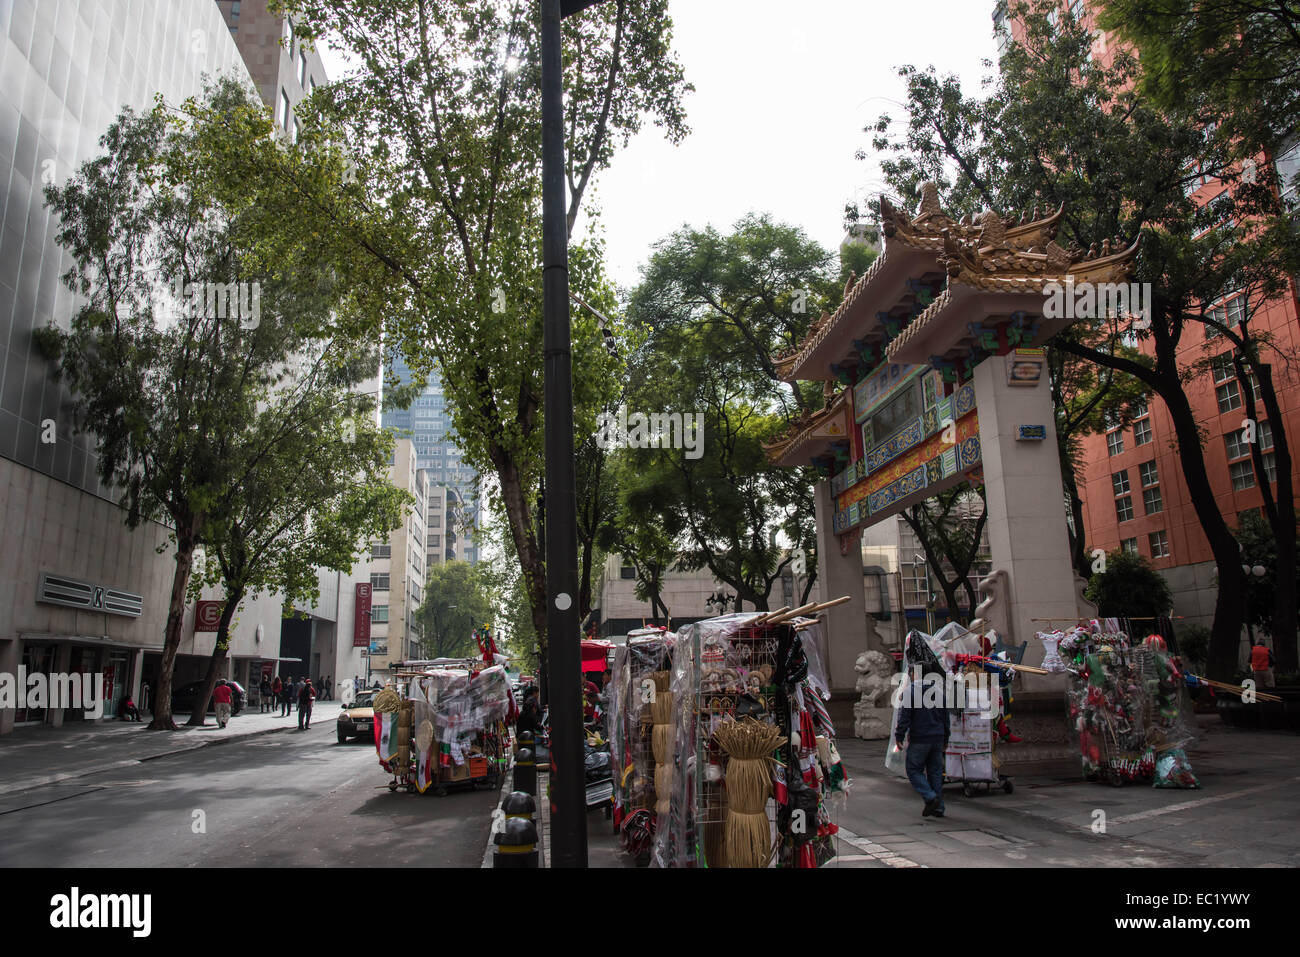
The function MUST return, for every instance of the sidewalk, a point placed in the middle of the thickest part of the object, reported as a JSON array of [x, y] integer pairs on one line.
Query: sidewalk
[[34, 757], [603, 847]]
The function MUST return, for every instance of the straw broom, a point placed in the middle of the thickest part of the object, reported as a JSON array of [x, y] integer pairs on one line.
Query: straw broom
[[749, 744]]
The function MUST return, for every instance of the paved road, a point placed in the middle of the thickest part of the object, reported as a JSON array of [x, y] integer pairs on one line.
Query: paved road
[[277, 800]]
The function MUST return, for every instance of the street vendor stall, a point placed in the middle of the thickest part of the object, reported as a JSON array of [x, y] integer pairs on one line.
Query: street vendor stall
[[745, 754], [1128, 705], [445, 726], [640, 677]]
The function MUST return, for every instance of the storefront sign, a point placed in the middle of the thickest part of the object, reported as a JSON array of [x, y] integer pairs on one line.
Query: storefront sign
[[75, 593], [361, 617], [207, 616]]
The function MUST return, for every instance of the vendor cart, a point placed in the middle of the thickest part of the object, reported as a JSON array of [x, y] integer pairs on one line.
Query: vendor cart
[[450, 729]]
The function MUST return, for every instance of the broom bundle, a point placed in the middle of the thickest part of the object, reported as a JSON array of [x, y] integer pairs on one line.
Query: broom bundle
[[662, 743], [661, 709], [663, 779], [749, 744], [662, 679]]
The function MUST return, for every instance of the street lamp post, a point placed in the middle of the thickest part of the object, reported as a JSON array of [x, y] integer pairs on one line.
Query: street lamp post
[[1259, 571], [569, 804]]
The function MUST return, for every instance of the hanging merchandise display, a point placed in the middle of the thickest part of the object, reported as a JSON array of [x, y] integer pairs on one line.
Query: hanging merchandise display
[[1128, 705], [445, 726], [749, 745], [639, 682]]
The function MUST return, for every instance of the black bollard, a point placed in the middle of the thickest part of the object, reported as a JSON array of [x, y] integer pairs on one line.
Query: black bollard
[[525, 778], [519, 804], [525, 740], [516, 844]]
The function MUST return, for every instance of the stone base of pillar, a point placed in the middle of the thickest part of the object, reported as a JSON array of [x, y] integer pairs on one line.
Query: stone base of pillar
[[872, 724]]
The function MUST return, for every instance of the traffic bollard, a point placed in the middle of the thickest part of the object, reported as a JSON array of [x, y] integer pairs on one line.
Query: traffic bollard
[[516, 844], [525, 776]]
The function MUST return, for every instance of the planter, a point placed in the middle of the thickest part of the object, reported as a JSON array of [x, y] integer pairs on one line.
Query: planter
[[1281, 715]]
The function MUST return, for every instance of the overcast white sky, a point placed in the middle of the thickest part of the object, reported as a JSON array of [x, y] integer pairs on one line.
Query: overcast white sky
[[782, 92]]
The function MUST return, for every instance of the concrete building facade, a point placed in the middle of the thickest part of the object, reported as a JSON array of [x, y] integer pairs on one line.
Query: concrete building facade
[[79, 591]]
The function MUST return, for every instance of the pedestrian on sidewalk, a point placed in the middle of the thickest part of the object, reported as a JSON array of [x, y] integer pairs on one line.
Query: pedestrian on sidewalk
[[266, 700], [926, 730], [305, 697], [328, 689], [144, 696], [129, 711], [1261, 665], [286, 697], [277, 693], [221, 694]]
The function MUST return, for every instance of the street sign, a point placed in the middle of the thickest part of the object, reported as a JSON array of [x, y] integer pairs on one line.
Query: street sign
[[207, 616]]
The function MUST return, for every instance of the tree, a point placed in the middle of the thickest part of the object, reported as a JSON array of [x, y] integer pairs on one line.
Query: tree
[[457, 601], [313, 491], [442, 229], [1087, 399], [1130, 587], [1259, 547], [1233, 61], [1061, 127], [950, 528], [177, 345]]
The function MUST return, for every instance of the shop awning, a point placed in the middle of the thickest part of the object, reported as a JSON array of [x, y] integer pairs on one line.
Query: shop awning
[[595, 655], [97, 641]]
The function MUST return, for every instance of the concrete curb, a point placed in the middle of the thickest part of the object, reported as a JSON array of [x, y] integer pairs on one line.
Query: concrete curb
[[33, 783]]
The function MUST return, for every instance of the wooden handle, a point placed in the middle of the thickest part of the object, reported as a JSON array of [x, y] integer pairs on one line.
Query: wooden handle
[[810, 609], [768, 614]]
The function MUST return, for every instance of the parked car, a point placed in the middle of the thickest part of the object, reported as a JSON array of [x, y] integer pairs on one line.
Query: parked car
[[358, 718], [183, 698]]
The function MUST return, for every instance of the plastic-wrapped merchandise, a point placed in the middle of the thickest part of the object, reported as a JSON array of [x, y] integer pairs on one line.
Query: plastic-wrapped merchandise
[[1129, 708], [732, 672]]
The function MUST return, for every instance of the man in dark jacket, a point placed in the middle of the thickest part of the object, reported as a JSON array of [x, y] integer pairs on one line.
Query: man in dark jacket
[[926, 730], [306, 695]]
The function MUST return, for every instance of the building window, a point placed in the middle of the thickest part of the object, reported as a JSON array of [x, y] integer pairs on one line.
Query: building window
[[627, 572], [379, 614], [1228, 396], [1159, 542], [1228, 313], [435, 540], [284, 110], [1270, 468], [379, 581], [1124, 508], [1242, 475], [1150, 476], [1000, 29], [1264, 433], [916, 585], [381, 551], [1129, 545], [234, 17], [1288, 168], [1115, 442], [302, 68], [1077, 10], [1151, 500], [1142, 432], [1119, 481]]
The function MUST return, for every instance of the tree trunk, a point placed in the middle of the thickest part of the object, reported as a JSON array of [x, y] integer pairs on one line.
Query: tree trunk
[[1078, 550], [1225, 636], [1284, 531], [531, 561], [162, 710], [584, 580], [198, 717]]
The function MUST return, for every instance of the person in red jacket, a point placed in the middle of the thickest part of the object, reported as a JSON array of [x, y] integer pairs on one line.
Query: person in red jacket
[[1261, 665], [222, 694]]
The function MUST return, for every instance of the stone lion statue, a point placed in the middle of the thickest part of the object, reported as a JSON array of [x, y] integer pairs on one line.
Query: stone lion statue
[[875, 668]]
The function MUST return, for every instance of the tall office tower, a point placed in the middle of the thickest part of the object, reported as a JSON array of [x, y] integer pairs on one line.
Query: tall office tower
[[453, 508]]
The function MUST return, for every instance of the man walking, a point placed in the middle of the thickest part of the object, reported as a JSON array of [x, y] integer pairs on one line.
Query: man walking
[[926, 729], [306, 696], [221, 694], [286, 697]]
